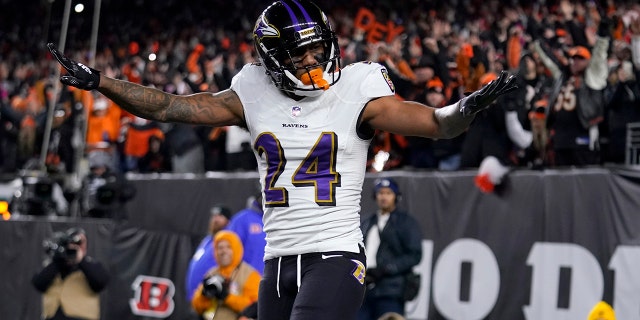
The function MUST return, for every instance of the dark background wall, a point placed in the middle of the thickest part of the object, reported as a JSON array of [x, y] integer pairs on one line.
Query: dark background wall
[[594, 211]]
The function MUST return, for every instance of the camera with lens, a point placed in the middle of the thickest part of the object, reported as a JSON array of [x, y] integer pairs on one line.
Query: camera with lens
[[57, 247], [214, 287]]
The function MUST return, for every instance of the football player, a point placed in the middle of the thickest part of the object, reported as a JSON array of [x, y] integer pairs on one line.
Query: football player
[[311, 121]]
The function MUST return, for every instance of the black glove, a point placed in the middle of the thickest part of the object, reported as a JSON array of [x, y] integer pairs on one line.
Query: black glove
[[80, 76], [483, 97], [215, 287], [373, 275], [604, 28]]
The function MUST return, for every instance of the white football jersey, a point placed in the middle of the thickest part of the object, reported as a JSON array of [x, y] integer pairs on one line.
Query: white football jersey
[[310, 158]]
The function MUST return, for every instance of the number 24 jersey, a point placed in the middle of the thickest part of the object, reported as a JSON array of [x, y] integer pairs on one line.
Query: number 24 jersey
[[311, 159]]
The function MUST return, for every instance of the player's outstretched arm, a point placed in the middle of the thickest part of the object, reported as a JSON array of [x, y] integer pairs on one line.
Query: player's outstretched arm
[[219, 109], [454, 119], [414, 119], [482, 98], [223, 108]]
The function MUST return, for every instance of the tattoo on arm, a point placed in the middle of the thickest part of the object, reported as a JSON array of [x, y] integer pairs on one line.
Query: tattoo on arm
[[154, 104], [142, 101]]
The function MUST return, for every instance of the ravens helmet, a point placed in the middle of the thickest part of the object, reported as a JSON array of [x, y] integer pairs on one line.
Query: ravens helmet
[[283, 31]]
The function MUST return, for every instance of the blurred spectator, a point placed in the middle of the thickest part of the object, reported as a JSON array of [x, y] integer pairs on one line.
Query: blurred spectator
[[71, 280], [11, 120], [391, 56], [203, 258], [393, 243], [579, 107], [186, 149], [247, 224], [103, 121], [623, 96], [420, 150], [526, 113], [229, 287], [456, 42], [26, 106], [433, 55], [104, 191], [240, 155], [487, 135], [156, 159], [215, 148], [387, 151], [136, 141], [443, 154], [61, 155]]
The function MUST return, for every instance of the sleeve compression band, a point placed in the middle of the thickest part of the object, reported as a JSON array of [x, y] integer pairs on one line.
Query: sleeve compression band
[[451, 121]]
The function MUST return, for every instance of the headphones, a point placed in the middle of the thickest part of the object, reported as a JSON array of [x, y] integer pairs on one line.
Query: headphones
[[387, 183]]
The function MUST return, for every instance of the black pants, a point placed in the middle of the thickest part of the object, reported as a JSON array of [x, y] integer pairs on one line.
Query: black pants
[[328, 285]]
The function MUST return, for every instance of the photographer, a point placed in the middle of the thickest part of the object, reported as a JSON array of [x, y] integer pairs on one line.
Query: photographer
[[70, 281], [104, 191], [229, 287]]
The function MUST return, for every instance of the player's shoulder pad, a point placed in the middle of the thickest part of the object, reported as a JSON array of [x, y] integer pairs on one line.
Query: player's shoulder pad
[[251, 71], [372, 75], [363, 66], [251, 79]]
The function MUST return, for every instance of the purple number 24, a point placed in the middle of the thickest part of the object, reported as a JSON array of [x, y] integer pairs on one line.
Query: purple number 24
[[318, 169]]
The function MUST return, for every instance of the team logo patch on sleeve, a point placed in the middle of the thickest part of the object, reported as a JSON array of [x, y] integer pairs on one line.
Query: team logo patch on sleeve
[[385, 75]]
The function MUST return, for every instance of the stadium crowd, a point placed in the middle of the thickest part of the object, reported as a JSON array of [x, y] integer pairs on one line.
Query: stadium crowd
[[435, 52]]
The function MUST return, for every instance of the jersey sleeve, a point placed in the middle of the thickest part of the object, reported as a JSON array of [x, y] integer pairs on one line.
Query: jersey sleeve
[[249, 82], [376, 82]]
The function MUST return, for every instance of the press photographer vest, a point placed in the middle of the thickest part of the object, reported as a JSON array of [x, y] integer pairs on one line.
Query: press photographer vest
[[74, 295], [224, 312]]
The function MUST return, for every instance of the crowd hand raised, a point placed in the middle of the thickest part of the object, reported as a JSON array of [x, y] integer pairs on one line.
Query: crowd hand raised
[[604, 28], [483, 97], [79, 75]]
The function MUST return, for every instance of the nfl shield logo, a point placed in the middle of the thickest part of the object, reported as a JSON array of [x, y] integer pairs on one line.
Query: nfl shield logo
[[295, 111]]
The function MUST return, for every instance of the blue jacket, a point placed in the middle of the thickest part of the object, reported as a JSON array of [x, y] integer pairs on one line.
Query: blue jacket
[[200, 263], [247, 223], [399, 251]]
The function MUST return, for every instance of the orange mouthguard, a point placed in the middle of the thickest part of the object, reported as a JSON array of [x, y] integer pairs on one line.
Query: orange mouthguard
[[316, 78]]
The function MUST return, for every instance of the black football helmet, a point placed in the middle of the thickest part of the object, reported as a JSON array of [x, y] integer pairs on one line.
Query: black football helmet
[[286, 26]]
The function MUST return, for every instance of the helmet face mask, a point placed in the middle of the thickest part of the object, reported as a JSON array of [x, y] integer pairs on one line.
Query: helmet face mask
[[286, 30]]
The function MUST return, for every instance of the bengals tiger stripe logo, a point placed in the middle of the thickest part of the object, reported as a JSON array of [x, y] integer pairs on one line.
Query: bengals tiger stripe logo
[[153, 297]]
